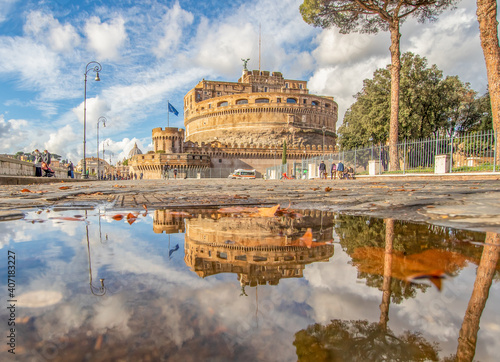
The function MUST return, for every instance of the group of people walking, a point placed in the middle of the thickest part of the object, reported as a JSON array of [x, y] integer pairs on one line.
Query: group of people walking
[[42, 163], [336, 171], [166, 172]]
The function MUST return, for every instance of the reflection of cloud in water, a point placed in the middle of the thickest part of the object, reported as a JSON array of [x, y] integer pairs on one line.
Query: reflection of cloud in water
[[111, 313], [39, 298]]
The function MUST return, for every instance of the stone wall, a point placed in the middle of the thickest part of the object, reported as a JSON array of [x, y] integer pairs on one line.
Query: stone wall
[[13, 167]]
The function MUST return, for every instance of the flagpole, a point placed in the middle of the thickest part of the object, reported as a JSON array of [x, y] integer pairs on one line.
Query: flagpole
[[168, 114]]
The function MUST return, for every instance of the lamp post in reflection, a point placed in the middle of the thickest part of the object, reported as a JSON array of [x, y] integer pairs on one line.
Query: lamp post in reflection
[[98, 291], [96, 67], [103, 120]]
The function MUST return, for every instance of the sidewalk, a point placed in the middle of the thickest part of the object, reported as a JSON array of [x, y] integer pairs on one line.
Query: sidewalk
[[469, 204]]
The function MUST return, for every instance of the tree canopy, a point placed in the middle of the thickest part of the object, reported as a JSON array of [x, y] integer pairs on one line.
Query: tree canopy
[[428, 103], [368, 16]]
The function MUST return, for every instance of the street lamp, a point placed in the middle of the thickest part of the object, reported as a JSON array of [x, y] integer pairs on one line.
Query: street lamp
[[96, 67], [103, 120], [323, 149]]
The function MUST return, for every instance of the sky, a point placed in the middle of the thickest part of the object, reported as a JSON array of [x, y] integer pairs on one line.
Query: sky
[[154, 51]]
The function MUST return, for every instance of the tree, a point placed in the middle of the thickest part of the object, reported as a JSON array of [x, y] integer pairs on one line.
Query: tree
[[428, 103], [368, 16], [488, 32]]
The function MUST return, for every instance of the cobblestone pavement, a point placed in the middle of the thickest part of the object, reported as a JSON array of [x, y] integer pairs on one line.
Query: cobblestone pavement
[[472, 204]]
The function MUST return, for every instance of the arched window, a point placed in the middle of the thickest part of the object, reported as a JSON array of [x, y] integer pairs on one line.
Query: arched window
[[262, 100], [222, 104], [314, 103], [291, 100], [242, 101]]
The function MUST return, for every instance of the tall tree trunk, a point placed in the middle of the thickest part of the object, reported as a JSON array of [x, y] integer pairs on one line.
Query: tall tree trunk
[[484, 276], [386, 286], [395, 75], [488, 31]]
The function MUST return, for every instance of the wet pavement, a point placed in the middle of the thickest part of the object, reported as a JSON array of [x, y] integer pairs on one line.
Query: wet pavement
[[185, 270], [466, 204]]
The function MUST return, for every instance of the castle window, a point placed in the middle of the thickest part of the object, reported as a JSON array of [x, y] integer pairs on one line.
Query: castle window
[[278, 100], [286, 85], [300, 86], [305, 101], [265, 89], [314, 103], [291, 100], [242, 101], [209, 106], [327, 105], [222, 104], [262, 100], [220, 159]]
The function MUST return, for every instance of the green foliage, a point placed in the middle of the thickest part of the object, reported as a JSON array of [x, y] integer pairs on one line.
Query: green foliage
[[359, 340], [160, 151], [366, 16], [125, 163], [428, 103]]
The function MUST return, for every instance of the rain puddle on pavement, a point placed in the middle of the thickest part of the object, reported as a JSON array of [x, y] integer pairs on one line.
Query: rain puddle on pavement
[[244, 285]]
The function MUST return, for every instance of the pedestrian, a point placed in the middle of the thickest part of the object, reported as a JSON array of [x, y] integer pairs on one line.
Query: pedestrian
[[340, 170], [322, 170], [333, 171], [38, 162], [175, 172], [141, 175], [47, 157], [71, 170]]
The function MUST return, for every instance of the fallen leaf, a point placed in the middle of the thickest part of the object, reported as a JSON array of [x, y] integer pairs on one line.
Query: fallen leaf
[[268, 211], [145, 207], [117, 217], [64, 187], [25, 190], [67, 218], [328, 189]]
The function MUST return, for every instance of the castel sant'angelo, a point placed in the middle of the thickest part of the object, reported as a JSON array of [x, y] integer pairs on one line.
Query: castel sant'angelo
[[244, 124]]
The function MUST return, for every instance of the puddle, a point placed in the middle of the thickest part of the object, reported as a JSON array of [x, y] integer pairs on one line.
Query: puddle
[[159, 285]]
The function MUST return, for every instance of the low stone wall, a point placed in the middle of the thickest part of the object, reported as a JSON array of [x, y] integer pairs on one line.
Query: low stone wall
[[12, 167]]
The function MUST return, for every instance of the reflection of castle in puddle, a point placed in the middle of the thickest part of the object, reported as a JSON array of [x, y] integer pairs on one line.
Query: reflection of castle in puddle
[[260, 250]]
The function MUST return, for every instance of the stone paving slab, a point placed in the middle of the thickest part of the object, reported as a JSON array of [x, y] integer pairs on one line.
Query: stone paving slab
[[470, 204]]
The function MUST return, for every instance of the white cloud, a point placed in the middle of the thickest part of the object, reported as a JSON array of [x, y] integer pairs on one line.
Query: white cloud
[[47, 30], [174, 21], [106, 39], [6, 7]]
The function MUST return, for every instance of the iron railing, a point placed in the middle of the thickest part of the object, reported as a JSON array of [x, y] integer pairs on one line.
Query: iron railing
[[473, 152]]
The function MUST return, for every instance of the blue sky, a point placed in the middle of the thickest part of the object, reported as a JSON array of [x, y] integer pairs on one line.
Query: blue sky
[[154, 51]]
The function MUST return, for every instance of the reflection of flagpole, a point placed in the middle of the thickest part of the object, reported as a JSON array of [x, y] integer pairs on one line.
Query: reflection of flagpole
[[168, 124]]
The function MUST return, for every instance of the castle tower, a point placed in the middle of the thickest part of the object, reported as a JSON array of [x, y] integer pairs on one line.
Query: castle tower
[[170, 140]]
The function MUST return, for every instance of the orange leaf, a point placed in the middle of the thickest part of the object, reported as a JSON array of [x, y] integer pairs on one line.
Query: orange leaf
[[145, 207], [25, 190], [131, 216], [117, 217], [307, 238], [328, 189], [64, 187], [268, 211], [67, 218]]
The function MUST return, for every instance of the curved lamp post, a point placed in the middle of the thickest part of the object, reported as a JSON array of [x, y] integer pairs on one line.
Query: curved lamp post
[[96, 67], [98, 291], [103, 120]]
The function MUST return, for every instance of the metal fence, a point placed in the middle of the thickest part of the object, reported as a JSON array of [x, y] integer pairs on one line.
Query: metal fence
[[474, 152]]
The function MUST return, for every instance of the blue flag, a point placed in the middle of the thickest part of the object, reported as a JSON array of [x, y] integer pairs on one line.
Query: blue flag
[[172, 109]]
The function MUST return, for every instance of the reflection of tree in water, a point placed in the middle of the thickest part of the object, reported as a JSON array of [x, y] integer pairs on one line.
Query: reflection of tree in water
[[360, 340], [363, 239]]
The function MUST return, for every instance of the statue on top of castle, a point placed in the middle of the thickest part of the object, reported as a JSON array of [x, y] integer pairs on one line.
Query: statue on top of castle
[[245, 61]]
